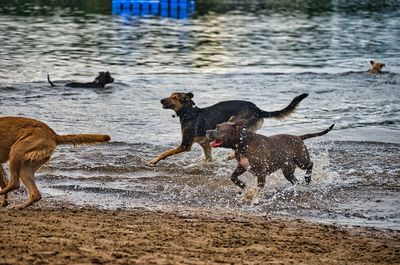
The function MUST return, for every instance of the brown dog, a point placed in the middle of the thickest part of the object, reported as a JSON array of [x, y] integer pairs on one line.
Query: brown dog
[[29, 144], [263, 155], [376, 67], [196, 121]]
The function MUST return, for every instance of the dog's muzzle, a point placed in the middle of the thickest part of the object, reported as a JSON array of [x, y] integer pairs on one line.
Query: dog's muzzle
[[213, 135], [165, 103]]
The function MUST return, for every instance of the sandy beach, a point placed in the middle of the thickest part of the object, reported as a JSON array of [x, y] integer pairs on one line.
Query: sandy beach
[[54, 234], [106, 204]]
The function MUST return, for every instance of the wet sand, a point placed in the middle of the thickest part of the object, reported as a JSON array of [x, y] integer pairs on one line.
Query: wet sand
[[49, 233]]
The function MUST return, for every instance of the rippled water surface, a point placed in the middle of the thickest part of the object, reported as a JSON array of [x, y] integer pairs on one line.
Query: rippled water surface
[[266, 52]]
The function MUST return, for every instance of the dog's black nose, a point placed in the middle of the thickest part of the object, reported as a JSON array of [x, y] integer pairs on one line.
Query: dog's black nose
[[163, 100]]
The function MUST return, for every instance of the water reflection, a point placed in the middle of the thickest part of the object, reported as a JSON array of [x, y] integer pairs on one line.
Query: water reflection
[[186, 8], [49, 7], [221, 36], [163, 8], [290, 7]]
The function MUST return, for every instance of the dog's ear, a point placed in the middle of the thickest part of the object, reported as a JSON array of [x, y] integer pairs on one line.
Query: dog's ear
[[190, 95], [240, 124], [237, 122], [371, 62], [233, 119]]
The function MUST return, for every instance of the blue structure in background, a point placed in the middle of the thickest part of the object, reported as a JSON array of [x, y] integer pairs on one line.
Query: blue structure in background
[[164, 8]]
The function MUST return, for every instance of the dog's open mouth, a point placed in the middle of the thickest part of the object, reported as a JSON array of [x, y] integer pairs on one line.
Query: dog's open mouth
[[216, 143]]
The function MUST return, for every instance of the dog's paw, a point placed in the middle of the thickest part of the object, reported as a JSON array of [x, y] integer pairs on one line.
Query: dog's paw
[[207, 161], [255, 201], [308, 180], [17, 206], [154, 161], [231, 156], [251, 195]]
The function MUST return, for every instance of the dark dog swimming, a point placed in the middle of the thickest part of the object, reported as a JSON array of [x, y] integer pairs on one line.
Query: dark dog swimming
[[100, 81], [196, 121]]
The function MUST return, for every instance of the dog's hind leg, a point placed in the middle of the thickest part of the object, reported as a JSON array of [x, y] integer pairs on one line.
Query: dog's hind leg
[[27, 156], [305, 165], [307, 177], [27, 175], [13, 184], [303, 161], [3, 184], [288, 172], [207, 151]]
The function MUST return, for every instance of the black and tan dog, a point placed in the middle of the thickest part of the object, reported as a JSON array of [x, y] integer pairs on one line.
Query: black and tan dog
[[196, 121], [376, 68], [100, 81], [29, 144], [263, 155]]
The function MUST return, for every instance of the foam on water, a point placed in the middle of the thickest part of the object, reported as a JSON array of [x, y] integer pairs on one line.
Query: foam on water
[[337, 193]]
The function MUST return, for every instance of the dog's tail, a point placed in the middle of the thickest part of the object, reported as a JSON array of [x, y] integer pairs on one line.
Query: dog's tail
[[48, 79], [311, 135], [76, 139], [283, 113]]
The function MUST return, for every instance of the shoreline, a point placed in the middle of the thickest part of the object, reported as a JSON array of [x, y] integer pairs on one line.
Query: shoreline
[[54, 233]]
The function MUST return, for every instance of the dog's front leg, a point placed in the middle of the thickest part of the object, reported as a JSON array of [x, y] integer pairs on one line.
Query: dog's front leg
[[261, 173], [235, 176], [168, 153], [3, 184], [207, 151], [260, 181]]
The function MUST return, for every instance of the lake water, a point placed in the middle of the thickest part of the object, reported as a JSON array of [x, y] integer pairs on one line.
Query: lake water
[[264, 51]]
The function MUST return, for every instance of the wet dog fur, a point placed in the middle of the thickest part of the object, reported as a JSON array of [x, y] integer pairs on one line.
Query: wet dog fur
[[28, 144], [196, 121], [263, 155], [100, 81], [376, 68]]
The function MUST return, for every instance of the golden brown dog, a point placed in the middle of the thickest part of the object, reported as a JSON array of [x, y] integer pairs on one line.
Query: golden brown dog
[[376, 67], [29, 144]]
